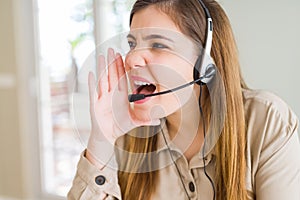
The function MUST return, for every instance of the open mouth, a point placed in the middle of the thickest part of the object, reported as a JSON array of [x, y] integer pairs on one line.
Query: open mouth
[[144, 87]]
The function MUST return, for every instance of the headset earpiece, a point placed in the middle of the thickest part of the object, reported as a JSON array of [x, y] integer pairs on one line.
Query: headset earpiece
[[204, 69]]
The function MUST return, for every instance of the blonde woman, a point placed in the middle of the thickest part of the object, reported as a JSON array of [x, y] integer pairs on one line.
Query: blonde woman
[[212, 138]]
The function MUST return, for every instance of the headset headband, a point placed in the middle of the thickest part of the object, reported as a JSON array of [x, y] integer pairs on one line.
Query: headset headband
[[209, 31]]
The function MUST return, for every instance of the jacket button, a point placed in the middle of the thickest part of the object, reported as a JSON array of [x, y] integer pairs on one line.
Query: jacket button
[[100, 180], [192, 187]]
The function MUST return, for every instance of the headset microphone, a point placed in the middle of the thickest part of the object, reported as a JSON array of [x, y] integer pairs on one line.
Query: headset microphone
[[137, 97], [210, 72]]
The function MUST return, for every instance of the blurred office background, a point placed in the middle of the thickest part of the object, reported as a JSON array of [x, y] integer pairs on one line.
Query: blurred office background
[[43, 46]]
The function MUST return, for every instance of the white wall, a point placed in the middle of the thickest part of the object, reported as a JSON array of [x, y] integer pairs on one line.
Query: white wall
[[268, 37]]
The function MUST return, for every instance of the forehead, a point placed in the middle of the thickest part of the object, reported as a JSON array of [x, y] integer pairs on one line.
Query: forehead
[[152, 17]]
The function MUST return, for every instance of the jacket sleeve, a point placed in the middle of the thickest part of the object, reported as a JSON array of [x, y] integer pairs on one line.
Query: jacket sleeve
[[90, 183]]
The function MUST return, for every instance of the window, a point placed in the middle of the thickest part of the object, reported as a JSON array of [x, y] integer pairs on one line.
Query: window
[[66, 33]]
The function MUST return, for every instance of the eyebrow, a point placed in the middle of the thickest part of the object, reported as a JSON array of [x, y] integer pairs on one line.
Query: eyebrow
[[130, 36], [152, 36]]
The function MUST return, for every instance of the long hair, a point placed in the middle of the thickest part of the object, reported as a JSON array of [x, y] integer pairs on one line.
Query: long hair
[[230, 170]]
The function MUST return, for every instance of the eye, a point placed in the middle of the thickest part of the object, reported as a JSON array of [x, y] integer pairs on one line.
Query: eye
[[131, 44], [159, 46]]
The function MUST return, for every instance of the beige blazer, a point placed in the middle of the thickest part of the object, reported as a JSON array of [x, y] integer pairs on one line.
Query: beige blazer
[[273, 161]]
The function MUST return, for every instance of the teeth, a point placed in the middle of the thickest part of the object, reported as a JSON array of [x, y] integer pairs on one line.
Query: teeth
[[141, 83]]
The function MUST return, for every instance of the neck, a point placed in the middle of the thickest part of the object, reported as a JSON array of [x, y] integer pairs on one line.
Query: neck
[[185, 128]]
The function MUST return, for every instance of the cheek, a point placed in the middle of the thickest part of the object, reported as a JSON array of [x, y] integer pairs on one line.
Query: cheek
[[172, 72], [185, 66], [185, 69]]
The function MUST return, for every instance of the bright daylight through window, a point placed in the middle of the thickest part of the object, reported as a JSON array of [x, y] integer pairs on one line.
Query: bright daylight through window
[[66, 37]]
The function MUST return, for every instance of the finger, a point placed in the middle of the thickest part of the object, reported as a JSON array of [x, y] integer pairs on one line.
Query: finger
[[92, 88], [102, 76], [121, 72], [112, 69]]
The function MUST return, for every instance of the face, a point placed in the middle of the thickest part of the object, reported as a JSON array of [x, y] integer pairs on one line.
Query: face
[[160, 58]]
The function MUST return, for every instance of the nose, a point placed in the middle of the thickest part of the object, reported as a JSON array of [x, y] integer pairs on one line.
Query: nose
[[136, 58]]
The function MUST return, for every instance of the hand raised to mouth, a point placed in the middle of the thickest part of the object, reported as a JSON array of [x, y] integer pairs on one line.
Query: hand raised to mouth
[[111, 115]]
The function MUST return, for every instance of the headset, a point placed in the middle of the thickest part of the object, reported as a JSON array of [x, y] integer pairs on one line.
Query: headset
[[207, 69]]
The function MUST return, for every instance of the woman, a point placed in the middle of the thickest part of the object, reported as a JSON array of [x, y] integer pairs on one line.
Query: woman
[[256, 155]]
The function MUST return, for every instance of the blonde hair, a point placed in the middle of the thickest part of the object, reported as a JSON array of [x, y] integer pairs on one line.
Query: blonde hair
[[230, 148]]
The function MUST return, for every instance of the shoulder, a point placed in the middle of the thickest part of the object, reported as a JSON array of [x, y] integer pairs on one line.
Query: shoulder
[[272, 144], [270, 122], [268, 107]]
